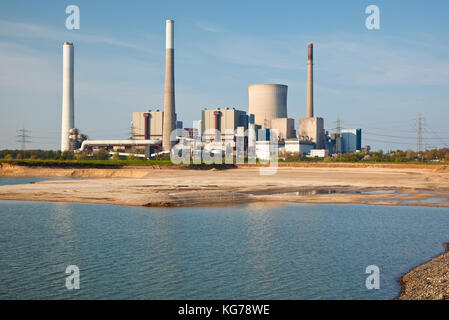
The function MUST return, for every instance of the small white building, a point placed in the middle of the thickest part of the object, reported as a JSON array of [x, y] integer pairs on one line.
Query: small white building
[[318, 153], [263, 150], [298, 146]]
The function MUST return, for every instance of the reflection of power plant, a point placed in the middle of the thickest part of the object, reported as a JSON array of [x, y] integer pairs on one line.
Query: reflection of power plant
[[154, 130]]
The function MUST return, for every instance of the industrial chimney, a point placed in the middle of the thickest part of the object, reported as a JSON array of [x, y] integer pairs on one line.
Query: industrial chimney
[[309, 113], [68, 119], [169, 92], [311, 128]]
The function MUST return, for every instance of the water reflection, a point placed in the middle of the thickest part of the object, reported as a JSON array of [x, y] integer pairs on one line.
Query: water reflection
[[243, 252]]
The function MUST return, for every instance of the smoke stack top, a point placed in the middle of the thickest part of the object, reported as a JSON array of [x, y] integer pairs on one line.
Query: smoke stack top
[[169, 34], [310, 51]]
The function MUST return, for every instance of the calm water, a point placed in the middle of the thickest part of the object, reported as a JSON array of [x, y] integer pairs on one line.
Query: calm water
[[243, 252]]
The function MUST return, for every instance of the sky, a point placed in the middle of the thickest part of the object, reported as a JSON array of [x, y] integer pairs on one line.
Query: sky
[[377, 80]]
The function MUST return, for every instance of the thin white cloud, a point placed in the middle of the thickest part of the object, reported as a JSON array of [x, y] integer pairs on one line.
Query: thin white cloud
[[23, 67], [14, 30], [253, 51], [209, 27], [348, 61], [383, 64]]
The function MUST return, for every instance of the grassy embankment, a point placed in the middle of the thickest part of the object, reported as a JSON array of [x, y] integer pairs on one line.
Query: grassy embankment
[[123, 163], [85, 163]]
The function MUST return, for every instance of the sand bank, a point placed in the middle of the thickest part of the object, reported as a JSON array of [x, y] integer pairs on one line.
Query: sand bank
[[368, 184]]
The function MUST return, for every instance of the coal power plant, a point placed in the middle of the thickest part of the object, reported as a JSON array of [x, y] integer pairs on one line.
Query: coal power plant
[[155, 132]]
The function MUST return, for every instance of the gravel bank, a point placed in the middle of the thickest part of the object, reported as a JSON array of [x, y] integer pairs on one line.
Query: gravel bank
[[428, 281]]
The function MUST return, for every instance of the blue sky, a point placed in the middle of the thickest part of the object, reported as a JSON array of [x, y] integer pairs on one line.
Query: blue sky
[[378, 80]]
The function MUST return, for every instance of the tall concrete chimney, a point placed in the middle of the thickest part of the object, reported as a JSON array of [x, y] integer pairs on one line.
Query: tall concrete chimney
[[169, 91], [68, 119], [310, 82]]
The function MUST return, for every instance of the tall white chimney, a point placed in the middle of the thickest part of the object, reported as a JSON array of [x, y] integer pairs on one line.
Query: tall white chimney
[[68, 118]]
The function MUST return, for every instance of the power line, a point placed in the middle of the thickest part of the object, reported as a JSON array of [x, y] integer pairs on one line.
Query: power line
[[401, 137], [437, 137], [339, 147], [420, 125], [392, 142], [22, 134]]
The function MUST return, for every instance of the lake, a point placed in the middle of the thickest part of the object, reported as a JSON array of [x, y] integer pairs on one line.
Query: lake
[[254, 251]]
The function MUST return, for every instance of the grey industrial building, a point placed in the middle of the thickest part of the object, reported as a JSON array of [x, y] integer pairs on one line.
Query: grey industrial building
[[222, 121], [351, 140], [147, 125]]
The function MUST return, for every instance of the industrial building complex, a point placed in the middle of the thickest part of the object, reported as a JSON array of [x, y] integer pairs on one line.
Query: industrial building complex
[[157, 131]]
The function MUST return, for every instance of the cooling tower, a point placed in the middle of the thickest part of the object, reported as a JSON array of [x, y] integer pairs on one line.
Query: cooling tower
[[68, 119], [267, 102], [169, 91]]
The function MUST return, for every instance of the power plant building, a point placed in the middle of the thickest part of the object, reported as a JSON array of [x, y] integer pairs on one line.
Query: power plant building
[[311, 128], [222, 121], [298, 146], [285, 128], [351, 140], [147, 125]]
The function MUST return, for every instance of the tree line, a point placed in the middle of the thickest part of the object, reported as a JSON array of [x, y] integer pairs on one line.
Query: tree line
[[398, 156]]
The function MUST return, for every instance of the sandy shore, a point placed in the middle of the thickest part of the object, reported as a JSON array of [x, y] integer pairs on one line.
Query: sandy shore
[[142, 186]]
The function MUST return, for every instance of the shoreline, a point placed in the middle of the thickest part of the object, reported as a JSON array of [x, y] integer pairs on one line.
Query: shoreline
[[427, 281]]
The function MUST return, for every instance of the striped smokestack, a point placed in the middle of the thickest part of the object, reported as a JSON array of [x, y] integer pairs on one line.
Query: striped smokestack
[[169, 92], [310, 82], [68, 119]]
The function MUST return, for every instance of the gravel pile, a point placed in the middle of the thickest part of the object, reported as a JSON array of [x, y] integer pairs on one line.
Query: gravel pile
[[429, 281]]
